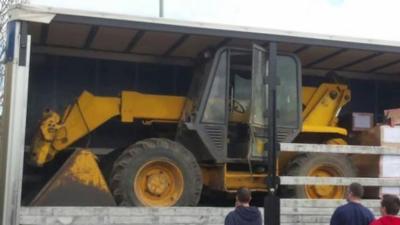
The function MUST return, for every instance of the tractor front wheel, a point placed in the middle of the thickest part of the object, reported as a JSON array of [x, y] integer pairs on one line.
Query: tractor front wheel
[[156, 172]]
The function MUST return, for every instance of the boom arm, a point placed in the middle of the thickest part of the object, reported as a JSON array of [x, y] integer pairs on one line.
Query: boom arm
[[89, 112], [322, 106]]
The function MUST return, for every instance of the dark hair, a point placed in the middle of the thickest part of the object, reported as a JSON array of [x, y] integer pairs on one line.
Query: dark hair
[[243, 195], [356, 190], [391, 204]]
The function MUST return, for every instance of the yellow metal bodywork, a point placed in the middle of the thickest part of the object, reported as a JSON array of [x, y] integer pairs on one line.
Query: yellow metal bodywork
[[323, 129], [219, 178], [336, 141], [150, 107], [89, 112], [321, 105]]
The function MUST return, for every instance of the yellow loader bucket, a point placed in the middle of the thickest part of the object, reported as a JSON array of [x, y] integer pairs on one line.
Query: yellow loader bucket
[[79, 182]]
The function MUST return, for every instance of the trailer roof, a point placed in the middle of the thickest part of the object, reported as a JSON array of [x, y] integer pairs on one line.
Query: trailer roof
[[125, 37]]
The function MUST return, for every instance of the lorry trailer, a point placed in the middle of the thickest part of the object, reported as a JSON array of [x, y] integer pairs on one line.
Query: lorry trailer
[[104, 109]]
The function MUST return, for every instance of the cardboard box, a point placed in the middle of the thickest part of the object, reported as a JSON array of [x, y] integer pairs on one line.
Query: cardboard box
[[381, 135], [393, 115], [389, 167], [362, 121]]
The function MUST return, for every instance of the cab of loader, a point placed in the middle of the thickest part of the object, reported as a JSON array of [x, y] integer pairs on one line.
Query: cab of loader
[[225, 116]]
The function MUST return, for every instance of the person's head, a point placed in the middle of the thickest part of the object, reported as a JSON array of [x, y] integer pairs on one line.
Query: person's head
[[243, 196], [390, 205], [355, 192]]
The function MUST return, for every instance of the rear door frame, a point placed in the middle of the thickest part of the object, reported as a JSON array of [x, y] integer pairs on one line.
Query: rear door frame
[[12, 144]]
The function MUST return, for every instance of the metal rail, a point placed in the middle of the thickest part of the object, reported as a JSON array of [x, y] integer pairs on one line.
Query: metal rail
[[340, 181], [340, 149]]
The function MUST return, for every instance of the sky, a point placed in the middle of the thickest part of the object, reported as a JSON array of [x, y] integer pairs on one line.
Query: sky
[[368, 19]]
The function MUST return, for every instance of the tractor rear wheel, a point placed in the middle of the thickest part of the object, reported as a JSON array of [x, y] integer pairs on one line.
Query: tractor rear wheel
[[320, 166], [156, 172]]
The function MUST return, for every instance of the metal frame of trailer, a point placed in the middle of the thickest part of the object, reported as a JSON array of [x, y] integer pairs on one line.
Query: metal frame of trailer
[[14, 114], [293, 212], [322, 53]]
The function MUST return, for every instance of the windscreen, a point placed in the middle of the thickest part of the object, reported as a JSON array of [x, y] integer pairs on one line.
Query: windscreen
[[197, 86], [215, 108], [287, 92]]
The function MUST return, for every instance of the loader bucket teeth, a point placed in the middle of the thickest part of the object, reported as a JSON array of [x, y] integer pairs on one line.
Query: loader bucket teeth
[[79, 182]]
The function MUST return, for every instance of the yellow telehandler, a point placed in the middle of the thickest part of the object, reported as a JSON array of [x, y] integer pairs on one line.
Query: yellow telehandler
[[221, 130]]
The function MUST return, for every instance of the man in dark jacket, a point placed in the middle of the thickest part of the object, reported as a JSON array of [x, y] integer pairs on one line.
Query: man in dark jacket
[[353, 213], [243, 214]]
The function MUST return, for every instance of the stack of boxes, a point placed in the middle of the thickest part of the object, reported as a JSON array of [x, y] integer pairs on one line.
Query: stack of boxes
[[388, 136]]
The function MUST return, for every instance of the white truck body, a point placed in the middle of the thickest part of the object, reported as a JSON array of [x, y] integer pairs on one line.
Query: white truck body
[[381, 59]]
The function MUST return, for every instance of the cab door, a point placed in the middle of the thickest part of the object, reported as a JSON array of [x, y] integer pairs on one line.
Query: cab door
[[288, 100], [258, 121]]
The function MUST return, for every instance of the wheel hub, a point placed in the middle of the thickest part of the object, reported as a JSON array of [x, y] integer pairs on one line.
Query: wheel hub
[[157, 184], [324, 191]]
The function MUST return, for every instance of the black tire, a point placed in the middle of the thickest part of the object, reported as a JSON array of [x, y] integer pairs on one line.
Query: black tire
[[134, 157], [302, 164]]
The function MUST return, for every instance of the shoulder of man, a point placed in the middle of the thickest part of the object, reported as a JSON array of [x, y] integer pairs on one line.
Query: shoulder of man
[[341, 210], [231, 213], [368, 210], [258, 213], [258, 210], [367, 213], [343, 207], [229, 219], [337, 216]]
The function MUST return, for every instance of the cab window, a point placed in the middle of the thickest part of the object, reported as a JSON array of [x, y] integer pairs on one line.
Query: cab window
[[216, 104]]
